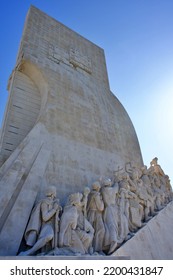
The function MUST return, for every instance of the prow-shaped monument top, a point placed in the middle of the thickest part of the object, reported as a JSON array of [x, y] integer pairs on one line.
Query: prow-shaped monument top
[[60, 98]]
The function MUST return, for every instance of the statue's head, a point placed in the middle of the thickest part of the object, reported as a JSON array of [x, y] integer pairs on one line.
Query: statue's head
[[86, 191], [154, 161], [51, 191], [107, 182], [134, 175], [96, 186], [75, 199], [144, 170], [124, 176]]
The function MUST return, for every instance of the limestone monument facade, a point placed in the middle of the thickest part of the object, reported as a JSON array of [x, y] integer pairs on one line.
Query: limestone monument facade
[[66, 135]]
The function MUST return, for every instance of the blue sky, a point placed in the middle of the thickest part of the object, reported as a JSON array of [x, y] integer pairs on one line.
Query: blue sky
[[137, 37]]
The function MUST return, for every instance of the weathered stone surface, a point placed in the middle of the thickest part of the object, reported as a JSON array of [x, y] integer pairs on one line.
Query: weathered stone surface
[[154, 241]]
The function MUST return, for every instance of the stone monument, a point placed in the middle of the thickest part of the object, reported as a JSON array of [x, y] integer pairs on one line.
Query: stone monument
[[64, 129]]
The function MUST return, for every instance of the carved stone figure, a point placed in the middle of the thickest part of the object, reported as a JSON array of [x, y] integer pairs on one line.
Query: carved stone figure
[[84, 202], [68, 224], [76, 232], [133, 208], [160, 184], [43, 226], [155, 185], [157, 168], [143, 196], [130, 168], [124, 232], [95, 209], [147, 185], [110, 215], [84, 228]]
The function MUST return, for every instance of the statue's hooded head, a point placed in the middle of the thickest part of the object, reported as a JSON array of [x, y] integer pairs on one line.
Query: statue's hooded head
[[51, 191], [75, 199], [96, 186], [107, 182]]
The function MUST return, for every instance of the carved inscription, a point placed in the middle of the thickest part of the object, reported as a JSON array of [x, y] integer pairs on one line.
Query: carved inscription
[[72, 58], [79, 60], [57, 55]]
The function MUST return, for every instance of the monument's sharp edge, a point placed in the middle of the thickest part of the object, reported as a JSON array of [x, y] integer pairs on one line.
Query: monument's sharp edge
[[154, 241], [18, 199]]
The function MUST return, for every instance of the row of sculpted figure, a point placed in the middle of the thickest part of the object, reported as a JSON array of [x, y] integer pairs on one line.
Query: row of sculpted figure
[[100, 219]]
